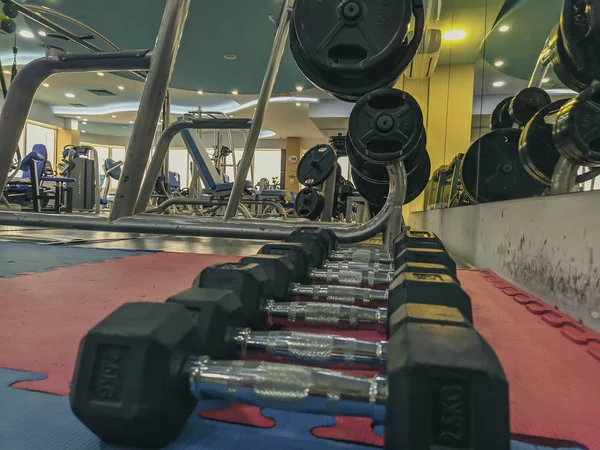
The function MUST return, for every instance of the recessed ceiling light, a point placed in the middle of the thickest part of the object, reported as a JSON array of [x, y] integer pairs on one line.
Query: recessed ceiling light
[[69, 95], [299, 88], [230, 56], [27, 34], [42, 33], [455, 35], [234, 92], [498, 83], [83, 131], [200, 92], [100, 74], [499, 63], [46, 85], [545, 80], [7, 72], [298, 104], [121, 88], [504, 28], [79, 117], [131, 122], [114, 117]]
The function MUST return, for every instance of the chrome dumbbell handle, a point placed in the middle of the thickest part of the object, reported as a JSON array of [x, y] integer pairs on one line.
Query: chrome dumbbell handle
[[367, 278], [287, 387], [357, 265], [362, 255], [343, 295], [318, 349], [326, 315]]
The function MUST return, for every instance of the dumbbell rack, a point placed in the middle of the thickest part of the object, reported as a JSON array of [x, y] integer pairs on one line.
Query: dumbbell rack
[[565, 176]]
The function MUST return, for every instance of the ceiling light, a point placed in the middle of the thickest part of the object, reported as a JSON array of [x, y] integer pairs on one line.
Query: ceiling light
[[504, 28], [27, 34], [299, 88], [499, 63], [121, 88], [298, 104], [69, 95], [200, 92], [79, 117], [234, 92], [230, 56], [46, 85], [455, 35], [131, 122], [545, 80], [83, 131], [100, 74], [498, 83], [42, 33], [114, 117], [7, 72]]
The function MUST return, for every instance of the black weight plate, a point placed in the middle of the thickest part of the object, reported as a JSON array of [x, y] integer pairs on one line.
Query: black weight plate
[[526, 103], [316, 165], [385, 126], [309, 203], [577, 128], [8, 26], [375, 173], [339, 144], [352, 85], [350, 35], [581, 41], [501, 117], [565, 69], [537, 150], [10, 10], [418, 175], [492, 171], [374, 193]]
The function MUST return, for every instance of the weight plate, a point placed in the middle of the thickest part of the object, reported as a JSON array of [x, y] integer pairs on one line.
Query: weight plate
[[501, 117], [492, 171], [385, 126], [8, 26], [536, 146], [10, 10], [309, 203], [581, 40], [564, 68], [340, 73], [350, 35], [577, 129], [526, 103], [316, 165], [418, 174]]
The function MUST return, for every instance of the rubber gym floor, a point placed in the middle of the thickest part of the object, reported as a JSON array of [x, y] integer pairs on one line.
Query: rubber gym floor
[[56, 284]]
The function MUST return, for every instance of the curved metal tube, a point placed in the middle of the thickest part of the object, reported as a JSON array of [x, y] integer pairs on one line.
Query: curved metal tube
[[564, 177]]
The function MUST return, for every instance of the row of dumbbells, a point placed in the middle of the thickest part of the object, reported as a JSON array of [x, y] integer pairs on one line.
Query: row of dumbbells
[[141, 371]]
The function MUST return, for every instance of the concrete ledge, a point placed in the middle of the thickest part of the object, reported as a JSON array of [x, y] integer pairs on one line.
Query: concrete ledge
[[548, 246]]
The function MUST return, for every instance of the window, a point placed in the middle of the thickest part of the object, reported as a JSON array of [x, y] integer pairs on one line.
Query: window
[[102, 156], [118, 154], [267, 164], [44, 136], [178, 162]]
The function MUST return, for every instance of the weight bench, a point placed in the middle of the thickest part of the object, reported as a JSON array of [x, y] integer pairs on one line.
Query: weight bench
[[29, 186]]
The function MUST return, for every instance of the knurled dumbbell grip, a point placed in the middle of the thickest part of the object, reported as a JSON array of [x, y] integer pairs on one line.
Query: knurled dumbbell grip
[[357, 265], [318, 349], [288, 387], [325, 315], [351, 277], [361, 255], [343, 295]]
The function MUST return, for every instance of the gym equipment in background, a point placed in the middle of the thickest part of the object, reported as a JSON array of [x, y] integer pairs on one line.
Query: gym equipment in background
[[82, 164], [519, 109]]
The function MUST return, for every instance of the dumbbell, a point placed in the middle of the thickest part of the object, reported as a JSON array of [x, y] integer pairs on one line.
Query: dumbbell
[[222, 327], [141, 371], [265, 284], [254, 288]]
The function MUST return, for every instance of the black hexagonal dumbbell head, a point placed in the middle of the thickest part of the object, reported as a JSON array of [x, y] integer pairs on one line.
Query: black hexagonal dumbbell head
[[248, 281], [126, 387], [326, 237], [446, 386], [430, 289], [217, 314], [417, 239], [317, 249], [280, 271], [298, 254], [427, 256]]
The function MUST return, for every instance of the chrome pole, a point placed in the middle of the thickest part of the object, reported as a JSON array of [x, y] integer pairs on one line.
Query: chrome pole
[[153, 97], [564, 177], [261, 108]]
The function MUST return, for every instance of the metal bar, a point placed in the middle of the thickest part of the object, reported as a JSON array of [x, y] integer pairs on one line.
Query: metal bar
[[564, 177], [393, 227], [329, 193], [22, 91], [153, 97], [261, 108]]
